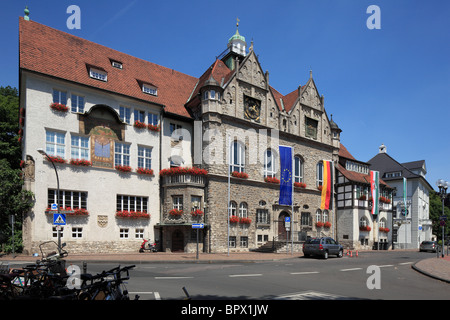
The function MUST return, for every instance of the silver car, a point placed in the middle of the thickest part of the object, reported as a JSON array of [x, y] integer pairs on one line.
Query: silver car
[[323, 247], [428, 246]]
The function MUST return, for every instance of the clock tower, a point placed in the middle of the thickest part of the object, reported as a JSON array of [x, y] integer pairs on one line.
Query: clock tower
[[236, 49]]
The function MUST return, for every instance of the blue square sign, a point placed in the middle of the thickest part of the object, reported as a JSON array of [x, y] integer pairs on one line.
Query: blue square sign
[[59, 219]]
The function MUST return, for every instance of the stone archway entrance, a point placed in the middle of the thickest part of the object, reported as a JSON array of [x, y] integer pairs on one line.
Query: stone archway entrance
[[282, 232], [177, 241]]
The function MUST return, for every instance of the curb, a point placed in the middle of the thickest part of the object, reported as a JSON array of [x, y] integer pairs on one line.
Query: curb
[[427, 273]]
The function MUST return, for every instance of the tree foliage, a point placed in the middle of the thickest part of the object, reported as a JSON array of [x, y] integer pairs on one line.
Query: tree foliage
[[436, 212], [13, 200]]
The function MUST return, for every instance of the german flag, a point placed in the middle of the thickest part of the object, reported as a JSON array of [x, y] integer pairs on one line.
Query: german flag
[[327, 186]]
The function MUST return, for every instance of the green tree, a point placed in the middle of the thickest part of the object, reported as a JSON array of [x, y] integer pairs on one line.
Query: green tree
[[13, 200], [9, 126], [436, 212]]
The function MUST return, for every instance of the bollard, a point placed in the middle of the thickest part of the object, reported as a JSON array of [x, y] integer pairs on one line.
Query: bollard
[[84, 267]]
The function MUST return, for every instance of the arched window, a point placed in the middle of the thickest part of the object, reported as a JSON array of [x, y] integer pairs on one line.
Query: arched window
[[325, 216], [298, 169], [319, 173], [237, 157], [382, 223], [232, 209], [270, 168], [318, 215], [243, 212], [363, 222]]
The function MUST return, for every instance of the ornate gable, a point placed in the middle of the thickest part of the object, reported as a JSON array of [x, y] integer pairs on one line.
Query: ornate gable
[[310, 96]]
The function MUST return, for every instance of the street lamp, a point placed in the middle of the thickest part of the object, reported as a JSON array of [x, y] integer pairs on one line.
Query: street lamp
[[442, 185], [41, 151]]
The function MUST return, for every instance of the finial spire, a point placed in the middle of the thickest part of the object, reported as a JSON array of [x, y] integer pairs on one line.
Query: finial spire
[[27, 13]]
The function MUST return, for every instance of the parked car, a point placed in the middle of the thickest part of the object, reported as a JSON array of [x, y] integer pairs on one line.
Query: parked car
[[428, 246], [323, 247]]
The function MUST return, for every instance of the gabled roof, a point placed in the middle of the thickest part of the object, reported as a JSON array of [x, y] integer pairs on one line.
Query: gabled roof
[[352, 175], [64, 56], [384, 163]]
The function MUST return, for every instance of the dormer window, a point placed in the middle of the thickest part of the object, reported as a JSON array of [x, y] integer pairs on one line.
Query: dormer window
[[98, 74], [117, 64], [149, 89]]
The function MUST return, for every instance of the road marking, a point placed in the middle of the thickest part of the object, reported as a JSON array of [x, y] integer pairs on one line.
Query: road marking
[[310, 295], [306, 272], [403, 263], [245, 275], [351, 269], [386, 265], [169, 278]]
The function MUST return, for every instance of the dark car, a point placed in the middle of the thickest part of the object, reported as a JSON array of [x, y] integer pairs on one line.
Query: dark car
[[323, 247], [428, 246]]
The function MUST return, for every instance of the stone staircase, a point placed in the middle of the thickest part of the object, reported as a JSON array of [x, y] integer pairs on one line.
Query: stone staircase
[[271, 246]]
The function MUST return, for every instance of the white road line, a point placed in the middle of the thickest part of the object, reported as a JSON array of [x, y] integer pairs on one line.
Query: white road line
[[386, 265], [157, 296], [306, 272], [170, 278], [245, 275], [403, 263], [351, 269]]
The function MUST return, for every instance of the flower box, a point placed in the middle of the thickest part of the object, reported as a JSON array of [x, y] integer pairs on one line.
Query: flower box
[[245, 220], [300, 185], [154, 128], [327, 224], [386, 230], [182, 170], [56, 159], [234, 219], [319, 224], [123, 168], [80, 162], [364, 228], [319, 188], [241, 175], [59, 107], [140, 125], [69, 211], [176, 213], [272, 180], [196, 213], [363, 197], [132, 214], [385, 200], [144, 171]]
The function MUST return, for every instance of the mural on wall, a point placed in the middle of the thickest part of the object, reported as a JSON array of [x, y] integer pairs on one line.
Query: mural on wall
[[103, 125], [102, 146]]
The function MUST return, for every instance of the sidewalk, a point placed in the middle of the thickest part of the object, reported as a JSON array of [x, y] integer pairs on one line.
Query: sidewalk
[[438, 268]]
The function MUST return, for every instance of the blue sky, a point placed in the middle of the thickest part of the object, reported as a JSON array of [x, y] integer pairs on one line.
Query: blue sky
[[388, 85]]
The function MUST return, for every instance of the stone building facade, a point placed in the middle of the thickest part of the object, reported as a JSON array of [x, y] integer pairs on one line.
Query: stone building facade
[[175, 148]]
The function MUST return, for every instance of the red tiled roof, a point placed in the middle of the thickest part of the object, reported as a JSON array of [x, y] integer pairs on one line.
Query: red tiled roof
[[357, 177], [343, 152], [58, 54]]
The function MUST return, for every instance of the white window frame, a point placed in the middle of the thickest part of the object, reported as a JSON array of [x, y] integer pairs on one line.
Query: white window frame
[[121, 154], [77, 103], [144, 157], [139, 233], [232, 209], [68, 198], [139, 115], [125, 114], [177, 202], [298, 169], [77, 232], [153, 118], [57, 141], [237, 157], [124, 233], [270, 167], [243, 210], [148, 89], [98, 74], [319, 173], [131, 203], [79, 147], [59, 96]]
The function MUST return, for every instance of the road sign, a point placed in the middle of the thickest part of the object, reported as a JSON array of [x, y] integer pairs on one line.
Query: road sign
[[59, 219], [442, 223], [198, 226], [54, 206], [444, 218], [287, 219]]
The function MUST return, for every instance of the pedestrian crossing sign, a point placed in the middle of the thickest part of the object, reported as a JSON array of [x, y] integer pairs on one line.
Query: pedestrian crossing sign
[[59, 219]]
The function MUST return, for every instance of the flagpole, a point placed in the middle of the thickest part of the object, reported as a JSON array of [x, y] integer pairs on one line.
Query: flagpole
[[228, 205], [292, 201]]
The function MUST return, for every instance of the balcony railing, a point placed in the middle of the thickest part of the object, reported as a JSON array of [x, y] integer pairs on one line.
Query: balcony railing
[[184, 179]]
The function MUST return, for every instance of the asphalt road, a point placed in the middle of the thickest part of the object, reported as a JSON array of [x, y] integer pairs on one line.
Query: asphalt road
[[371, 275]]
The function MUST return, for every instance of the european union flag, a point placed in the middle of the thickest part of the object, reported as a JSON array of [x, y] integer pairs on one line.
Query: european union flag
[[285, 176]]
